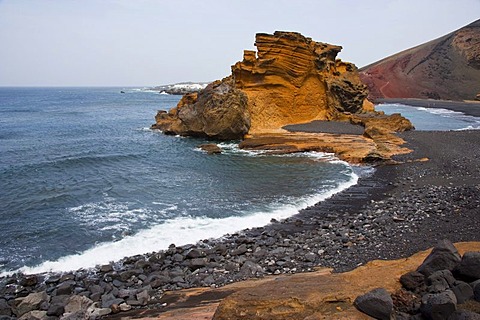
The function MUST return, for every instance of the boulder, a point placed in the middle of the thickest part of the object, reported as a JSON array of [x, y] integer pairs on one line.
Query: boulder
[[469, 266], [77, 304], [31, 302], [476, 290], [217, 112], [34, 315], [414, 281], [444, 256], [210, 148], [376, 303], [5, 309], [463, 291], [464, 315], [438, 306]]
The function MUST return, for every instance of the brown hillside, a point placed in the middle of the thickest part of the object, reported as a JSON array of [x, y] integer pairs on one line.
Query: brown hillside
[[445, 68]]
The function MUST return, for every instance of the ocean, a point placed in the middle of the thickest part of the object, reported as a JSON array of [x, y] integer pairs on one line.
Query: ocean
[[85, 181]]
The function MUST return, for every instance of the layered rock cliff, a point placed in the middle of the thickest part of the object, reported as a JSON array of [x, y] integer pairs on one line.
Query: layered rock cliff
[[290, 79], [445, 68]]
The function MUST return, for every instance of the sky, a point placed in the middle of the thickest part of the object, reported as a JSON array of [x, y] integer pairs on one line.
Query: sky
[[154, 42]]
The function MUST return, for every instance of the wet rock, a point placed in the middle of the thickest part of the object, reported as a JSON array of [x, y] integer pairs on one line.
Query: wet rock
[[210, 148], [29, 280], [5, 309], [376, 303], [106, 268], [66, 287], [444, 256], [438, 306]]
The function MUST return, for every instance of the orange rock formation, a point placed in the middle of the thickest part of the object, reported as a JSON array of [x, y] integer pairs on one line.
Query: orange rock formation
[[291, 79]]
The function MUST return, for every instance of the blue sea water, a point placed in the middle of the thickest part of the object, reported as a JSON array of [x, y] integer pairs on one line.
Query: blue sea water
[[431, 119], [84, 181]]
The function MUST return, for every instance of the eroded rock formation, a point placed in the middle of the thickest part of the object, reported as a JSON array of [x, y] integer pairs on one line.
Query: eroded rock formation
[[290, 79], [445, 68], [293, 79]]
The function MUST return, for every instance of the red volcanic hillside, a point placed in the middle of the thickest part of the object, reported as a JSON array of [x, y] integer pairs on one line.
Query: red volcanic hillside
[[445, 68]]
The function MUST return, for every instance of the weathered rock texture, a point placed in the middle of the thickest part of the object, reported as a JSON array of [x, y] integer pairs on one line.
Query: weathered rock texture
[[445, 68], [291, 79], [219, 112]]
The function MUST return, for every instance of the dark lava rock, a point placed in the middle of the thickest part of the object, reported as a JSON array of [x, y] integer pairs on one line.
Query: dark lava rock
[[414, 281], [463, 291], [476, 290], [5, 308], [464, 315], [469, 266], [440, 281], [444, 256], [438, 306], [377, 303], [210, 148]]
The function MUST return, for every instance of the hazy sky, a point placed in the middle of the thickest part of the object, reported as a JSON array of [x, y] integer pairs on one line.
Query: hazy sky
[[151, 42]]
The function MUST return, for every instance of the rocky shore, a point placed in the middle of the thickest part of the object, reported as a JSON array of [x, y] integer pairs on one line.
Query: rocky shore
[[393, 213]]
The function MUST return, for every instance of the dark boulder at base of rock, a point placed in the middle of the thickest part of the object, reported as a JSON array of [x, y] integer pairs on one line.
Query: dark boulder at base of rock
[[469, 266], [377, 303], [438, 306], [444, 256]]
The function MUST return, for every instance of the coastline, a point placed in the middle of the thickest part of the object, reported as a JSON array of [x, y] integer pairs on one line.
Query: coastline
[[391, 214], [471, 108]]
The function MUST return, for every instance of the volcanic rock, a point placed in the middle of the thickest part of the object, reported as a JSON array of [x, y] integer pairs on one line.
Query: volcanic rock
[[445, 68], [218, 112], [444, 256], [290, 79], [469, 267], [376, 303], [210, 148]]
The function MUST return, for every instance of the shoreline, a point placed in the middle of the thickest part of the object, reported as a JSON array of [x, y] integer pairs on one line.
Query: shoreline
[[471, 108], [391, 214]]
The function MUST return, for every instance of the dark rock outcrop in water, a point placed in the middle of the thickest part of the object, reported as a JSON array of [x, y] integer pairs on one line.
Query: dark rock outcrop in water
[[445, 68], [291, 79]]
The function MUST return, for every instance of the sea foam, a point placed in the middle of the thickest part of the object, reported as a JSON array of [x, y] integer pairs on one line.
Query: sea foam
[[187, 230]]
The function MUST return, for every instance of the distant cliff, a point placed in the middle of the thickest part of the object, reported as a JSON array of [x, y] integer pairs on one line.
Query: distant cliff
[[290, 79], [445, 68]]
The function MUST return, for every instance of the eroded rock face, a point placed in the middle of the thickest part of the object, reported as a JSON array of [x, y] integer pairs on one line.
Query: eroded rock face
[[293, 79], [290, 79], [218, 112]]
